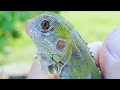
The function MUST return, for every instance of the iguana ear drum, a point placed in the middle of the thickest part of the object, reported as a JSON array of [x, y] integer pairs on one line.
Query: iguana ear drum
[[60, 44]]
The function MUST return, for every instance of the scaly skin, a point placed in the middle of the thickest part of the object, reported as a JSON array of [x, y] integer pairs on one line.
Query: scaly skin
[[61, 48]]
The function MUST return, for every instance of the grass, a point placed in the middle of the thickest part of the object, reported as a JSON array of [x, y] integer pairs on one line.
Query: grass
[[92, 26]]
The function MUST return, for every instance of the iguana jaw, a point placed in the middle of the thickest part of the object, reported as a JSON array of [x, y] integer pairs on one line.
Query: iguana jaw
[[26, 28], [50, 66]]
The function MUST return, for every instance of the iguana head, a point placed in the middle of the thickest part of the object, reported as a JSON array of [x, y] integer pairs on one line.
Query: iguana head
[[57, 41], [51, 34]]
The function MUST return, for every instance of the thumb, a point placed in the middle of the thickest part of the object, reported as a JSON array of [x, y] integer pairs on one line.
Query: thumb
[[109, 56]]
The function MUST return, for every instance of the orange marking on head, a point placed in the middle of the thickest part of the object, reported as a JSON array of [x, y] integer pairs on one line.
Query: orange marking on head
[[60, 44]]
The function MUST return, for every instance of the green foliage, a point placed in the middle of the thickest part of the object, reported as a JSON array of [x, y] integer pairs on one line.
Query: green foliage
[[8, 24], [23, 15], [7, 21], [93, 25]]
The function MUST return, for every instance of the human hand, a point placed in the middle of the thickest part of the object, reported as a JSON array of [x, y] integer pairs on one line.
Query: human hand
[[37, 73], [107, 55]]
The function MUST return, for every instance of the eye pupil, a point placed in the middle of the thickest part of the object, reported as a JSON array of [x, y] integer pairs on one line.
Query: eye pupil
[[45, 24]]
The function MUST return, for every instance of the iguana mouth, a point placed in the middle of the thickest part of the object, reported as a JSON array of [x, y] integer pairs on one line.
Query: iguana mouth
[[26, 28], [27, 31]]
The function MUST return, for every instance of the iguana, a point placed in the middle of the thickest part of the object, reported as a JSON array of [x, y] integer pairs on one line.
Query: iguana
[[61, 48]]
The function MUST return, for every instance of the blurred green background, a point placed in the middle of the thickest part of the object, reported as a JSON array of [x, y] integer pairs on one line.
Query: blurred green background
[[17, 48]]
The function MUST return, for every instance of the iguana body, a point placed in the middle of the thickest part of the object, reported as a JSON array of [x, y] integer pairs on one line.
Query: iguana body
[[61, 48]]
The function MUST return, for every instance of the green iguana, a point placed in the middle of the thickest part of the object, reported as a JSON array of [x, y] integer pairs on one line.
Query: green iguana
[[61, 48]]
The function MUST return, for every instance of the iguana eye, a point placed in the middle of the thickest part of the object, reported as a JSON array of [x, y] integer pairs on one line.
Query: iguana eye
[[45, 25]]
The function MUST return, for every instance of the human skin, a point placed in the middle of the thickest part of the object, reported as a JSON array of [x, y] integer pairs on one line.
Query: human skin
[[106, 53]]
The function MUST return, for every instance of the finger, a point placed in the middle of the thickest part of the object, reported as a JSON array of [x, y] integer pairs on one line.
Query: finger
[[94, 49], [109, 56], [54, 76], [36, 72]]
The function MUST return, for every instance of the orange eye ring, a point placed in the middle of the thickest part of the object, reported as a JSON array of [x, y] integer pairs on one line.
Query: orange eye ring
[[45, 25], [60, 44]]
